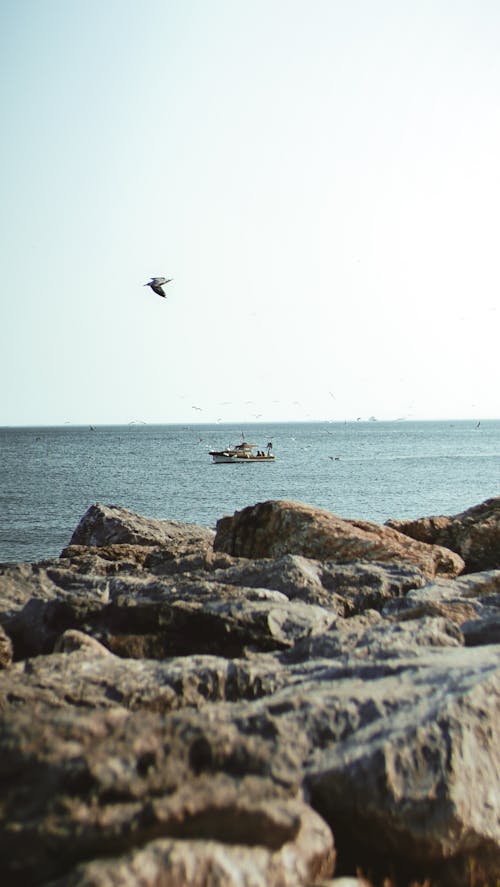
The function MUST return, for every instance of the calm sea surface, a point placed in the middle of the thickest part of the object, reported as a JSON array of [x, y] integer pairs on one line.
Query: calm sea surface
[[370, 470]]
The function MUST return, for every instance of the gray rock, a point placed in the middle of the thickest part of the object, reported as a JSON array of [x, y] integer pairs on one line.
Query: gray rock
[[104, 525], [374, 638], [144, 616], [39, 601], [348, 589], [94, 679], [472, 602]]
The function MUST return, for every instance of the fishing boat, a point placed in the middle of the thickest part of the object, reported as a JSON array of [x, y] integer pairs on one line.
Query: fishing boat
[[242, 453]]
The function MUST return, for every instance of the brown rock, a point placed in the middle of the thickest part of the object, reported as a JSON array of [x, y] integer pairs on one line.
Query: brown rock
[[474, 534], [281, 843], [275, 528], [108, 790], [5, 649]]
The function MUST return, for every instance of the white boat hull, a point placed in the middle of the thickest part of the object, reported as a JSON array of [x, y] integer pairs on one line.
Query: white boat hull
[[242, 453], [227, 458]]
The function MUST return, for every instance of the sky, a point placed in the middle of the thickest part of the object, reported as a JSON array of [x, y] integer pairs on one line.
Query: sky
[[321, 180]]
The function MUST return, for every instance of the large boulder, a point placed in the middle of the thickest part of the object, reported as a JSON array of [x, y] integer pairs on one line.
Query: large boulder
[[105, 525], [112, 797], [474, 534], [275, 528], [398, 755]]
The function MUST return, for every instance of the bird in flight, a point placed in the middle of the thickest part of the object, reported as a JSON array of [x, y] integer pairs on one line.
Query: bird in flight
[[157, 284]]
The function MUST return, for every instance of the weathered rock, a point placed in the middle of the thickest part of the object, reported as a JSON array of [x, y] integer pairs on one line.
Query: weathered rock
[[106, 560], [474, 534], [162, 621], [472, 602], [143, 616], [107, 784], [399, 756], [370, 636], [39, 601], [105, 525], [5, 649], [94, 679], [72, 640], [346, 588], [275, 528], [256, 845], [421, 789], [247, 692]]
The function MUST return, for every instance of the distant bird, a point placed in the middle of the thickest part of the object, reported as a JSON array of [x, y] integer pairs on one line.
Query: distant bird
[[157, 284]]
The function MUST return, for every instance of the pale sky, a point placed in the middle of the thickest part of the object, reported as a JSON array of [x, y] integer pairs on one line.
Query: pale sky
[[321, 178]]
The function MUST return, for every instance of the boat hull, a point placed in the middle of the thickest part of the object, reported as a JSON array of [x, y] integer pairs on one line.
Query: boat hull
[[229, 459]]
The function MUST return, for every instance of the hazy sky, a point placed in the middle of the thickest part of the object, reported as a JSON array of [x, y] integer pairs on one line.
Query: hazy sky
[[321, 178]]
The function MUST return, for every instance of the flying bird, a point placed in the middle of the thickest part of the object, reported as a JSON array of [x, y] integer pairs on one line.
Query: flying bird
[[157, 284]]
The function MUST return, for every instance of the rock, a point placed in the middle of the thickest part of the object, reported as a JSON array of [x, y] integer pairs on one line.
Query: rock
[[373, 637], [275, 528], [144, 616], [40, 601], [73, 640], [398, 756], [105, 525], [179, 715], [106, 560], [279, 842], [107, 786], [95, 679], [347, 589], [421, 785], [474, 534], [344, 882], [472, 602], [5, 649], [161, 620]]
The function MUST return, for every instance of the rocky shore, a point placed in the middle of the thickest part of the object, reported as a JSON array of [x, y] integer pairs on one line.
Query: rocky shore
[[293, 700]]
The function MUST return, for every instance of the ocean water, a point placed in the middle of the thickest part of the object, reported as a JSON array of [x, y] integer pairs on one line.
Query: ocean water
[[367, 470]]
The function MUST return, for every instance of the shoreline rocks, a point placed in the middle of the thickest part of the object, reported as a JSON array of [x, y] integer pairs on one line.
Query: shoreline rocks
[[272, 529], [292, 698]]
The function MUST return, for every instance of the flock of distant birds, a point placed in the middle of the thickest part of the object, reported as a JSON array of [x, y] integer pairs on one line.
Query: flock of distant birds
[[157, 284]]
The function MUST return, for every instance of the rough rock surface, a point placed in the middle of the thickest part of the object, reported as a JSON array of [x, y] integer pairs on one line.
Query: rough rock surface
[[5, 649], [175, 715], [474, 534], [111, 525], [274, 528]]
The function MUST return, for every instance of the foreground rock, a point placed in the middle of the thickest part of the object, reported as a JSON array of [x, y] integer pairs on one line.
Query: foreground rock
[[271, 529], [177, 715]]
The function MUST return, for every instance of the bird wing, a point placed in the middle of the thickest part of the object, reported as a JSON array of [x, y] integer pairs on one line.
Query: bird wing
[[158, 290]]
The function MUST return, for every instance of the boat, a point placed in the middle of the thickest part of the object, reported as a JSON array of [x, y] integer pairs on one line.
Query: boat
[[242, 453]]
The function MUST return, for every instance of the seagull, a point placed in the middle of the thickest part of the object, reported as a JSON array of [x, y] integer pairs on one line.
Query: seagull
[[157, 284]]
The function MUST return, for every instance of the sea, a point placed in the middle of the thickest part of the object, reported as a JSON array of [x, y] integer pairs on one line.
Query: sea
[[374, 470]]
